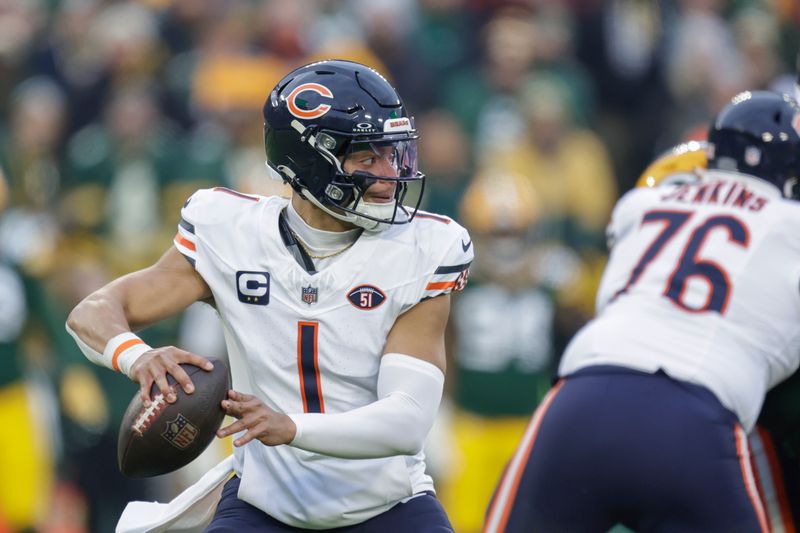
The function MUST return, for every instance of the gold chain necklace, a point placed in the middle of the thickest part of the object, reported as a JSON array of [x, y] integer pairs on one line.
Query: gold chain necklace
[[326, 256]]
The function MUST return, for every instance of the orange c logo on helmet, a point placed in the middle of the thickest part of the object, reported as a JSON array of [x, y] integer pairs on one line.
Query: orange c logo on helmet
[[316, 112]]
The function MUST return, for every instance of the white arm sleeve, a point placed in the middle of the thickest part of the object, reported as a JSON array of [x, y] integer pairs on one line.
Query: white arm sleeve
[[409, 393], [120, 353], [91, 354]]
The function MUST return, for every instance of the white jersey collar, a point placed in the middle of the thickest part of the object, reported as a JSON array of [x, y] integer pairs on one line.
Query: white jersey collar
[[762, 186], [319, 241]]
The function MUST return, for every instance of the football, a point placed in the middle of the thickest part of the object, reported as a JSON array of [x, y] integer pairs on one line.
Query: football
[[161, 438]]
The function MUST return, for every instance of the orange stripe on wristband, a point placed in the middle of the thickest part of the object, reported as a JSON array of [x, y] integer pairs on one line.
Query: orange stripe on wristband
[[121, 348]]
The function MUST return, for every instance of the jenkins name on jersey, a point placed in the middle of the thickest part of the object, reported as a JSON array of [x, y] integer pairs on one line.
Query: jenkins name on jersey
[[702, 282]]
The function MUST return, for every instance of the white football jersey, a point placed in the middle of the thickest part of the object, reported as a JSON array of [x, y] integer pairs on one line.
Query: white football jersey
[[313, 343], [703, 281]]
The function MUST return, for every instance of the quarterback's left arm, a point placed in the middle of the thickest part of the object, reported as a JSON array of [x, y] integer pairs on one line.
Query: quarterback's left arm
[[410, 384]]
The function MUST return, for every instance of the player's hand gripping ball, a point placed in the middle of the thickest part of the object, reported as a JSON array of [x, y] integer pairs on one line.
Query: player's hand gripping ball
[[165, 436]]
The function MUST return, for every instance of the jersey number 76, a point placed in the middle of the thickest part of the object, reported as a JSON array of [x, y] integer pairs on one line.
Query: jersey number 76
[[690, 264]]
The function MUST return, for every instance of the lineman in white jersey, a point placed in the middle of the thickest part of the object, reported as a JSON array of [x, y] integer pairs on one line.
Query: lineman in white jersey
[[333, 304], [774, 439], [698, 315]]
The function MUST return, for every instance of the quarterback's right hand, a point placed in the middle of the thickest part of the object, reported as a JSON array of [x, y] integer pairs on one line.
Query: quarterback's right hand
[[154, 365]]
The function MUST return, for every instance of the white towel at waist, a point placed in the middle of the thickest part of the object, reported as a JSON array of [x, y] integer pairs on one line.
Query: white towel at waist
[[191, 509]]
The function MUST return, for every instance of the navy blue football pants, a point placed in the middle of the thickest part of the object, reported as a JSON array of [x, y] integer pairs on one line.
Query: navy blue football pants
[[611, 445], [421, 514]]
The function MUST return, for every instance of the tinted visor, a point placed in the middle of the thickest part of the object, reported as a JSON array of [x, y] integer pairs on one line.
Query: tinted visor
[[384, 157], [391, 159]]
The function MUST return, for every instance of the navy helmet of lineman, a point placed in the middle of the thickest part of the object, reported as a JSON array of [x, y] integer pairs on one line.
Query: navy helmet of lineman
[[758, 133], [321, 112]]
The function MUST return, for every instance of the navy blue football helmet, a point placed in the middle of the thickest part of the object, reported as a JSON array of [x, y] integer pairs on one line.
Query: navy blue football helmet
[[758, 133], [319, 114]]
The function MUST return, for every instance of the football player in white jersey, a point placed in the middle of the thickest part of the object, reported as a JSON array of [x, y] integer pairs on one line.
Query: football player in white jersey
[[775, 439], [698, 315], [333, 304]]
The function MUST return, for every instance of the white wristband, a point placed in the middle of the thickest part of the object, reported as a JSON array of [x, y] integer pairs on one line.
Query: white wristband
[[123, 350]]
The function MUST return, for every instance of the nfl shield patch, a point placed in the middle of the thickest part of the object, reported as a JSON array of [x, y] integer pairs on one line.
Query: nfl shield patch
[[310, 295], [180, 432], [752, 156]]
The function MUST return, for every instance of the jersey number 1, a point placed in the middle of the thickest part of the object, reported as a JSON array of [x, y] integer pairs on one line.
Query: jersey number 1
[[308, 367], [689, 264]]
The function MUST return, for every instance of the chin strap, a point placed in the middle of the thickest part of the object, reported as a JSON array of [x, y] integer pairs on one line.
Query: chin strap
[[362, 222]]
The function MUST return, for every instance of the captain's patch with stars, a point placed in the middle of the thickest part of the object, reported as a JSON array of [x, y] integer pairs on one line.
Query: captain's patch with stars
[[252, 287]]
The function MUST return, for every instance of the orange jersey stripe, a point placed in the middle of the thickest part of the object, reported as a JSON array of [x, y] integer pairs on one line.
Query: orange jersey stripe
[[777, 480], [121, 348], [185, 242], [760, 487], [436, 285], [497, 518], [235, 193], [300, 362], [302, 371], [743, 451], [428, 216]]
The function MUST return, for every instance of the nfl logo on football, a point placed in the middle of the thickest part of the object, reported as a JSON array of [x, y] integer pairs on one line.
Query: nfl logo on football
[[310, 294], [180, 432]]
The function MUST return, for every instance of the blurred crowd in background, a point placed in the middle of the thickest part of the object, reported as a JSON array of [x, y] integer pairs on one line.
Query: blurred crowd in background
[[535, 116]]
